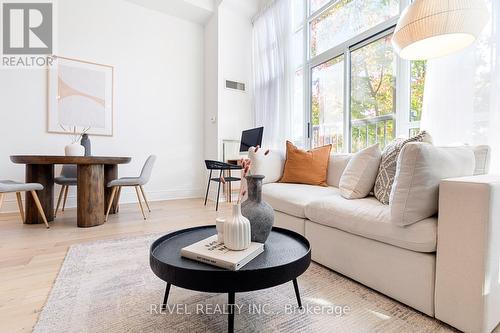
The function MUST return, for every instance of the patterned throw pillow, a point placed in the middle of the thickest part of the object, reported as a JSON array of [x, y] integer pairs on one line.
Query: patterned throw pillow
[[388, 163]]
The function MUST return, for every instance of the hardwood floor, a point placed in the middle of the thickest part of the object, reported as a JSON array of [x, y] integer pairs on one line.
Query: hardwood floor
[[31, 255]]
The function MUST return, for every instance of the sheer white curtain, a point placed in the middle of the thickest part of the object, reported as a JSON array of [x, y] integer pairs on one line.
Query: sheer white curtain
[[272, 52], [462, 93]]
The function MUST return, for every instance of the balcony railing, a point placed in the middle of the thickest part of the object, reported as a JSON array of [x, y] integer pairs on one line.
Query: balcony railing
[[364, 132], [326, 134]]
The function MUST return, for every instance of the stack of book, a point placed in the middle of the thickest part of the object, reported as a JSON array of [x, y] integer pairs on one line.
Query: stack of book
[[211, 252]]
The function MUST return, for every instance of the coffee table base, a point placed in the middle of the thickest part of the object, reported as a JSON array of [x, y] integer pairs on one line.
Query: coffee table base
[[230, 316], [231, 303], [165, 298]]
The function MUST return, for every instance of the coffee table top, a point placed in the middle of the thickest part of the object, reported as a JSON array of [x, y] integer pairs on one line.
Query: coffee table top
[[286, 256]]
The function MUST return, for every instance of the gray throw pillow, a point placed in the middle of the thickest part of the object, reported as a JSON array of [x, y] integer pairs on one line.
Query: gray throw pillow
[[388, 164]]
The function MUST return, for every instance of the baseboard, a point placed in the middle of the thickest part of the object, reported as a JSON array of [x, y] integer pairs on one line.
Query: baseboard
[[128, 195]]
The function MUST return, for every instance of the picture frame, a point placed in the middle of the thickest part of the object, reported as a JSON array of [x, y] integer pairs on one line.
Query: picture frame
[[80, 96]]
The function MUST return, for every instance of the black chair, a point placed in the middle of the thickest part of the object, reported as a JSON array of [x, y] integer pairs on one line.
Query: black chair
[[221, 167]]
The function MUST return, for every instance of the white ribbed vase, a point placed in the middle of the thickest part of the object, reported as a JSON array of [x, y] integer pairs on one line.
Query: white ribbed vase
[[237, 231], [74, 149]]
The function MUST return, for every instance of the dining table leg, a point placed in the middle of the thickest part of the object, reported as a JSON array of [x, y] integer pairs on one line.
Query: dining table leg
[[42, 174], [110, 173], [90, 195]]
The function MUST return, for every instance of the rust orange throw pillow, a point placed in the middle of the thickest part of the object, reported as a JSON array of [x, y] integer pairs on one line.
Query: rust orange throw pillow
[[306, 167]]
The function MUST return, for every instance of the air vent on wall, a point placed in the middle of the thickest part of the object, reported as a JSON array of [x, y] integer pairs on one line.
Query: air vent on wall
[[235, 85]]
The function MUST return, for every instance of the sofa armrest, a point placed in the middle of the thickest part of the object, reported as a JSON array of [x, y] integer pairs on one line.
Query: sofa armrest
[[468, 253], [270, 166]]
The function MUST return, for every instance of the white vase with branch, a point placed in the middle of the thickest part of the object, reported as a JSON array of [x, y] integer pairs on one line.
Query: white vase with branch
[[75, 148], [237, 231]]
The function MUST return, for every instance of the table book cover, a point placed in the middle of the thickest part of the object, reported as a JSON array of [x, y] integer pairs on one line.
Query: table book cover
[[211, 252]]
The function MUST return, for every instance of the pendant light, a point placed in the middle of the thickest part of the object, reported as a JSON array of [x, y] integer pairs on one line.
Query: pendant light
[[434, 28]]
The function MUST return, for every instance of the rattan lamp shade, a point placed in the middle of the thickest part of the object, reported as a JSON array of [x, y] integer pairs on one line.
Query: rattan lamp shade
[[433, 28]]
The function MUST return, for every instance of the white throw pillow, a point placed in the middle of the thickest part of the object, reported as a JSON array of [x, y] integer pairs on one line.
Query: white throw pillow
[[420, 169], [388, 165], [359, 176], [336, 167], [270, 165]]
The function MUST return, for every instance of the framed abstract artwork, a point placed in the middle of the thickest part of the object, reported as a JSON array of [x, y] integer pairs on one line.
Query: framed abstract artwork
[[80, 96]]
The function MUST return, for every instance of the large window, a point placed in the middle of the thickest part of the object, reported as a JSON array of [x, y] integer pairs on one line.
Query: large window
[[327, 104], [345, 19], [417, 77], [358, 91], [373, 94], [298, 117], [317, 4]]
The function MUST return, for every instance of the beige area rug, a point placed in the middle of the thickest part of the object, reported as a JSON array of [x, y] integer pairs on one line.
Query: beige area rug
[[107, 286]]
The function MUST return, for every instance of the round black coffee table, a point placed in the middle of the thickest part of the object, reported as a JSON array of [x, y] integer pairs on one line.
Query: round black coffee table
[[286, 256]]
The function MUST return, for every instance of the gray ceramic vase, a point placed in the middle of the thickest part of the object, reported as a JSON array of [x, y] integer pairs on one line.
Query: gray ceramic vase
[[85, 142], [258, 212]]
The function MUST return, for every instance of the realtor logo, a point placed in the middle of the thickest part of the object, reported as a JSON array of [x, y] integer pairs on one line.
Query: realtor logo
[[27, 28]]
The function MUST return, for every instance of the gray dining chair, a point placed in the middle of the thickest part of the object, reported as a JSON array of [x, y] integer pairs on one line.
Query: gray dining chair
[[66, 179], [10, 186], [137, 182]]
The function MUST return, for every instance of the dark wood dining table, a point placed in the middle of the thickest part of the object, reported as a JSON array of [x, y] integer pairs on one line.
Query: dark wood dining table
[[94, 173]]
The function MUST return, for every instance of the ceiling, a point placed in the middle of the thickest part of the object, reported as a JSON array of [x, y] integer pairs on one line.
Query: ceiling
[[198, 11]]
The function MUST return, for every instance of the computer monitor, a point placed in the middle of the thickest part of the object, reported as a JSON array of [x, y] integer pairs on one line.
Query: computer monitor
[[251, 138]]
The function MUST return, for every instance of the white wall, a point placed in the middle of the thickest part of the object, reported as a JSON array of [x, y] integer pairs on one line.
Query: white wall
[[228, 46], [235, 38], [211, 88], [159, 82]]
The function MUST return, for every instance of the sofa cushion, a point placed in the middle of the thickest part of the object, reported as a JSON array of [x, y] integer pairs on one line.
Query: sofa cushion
[[293, 198], [370, 218], [421, 167], [359, 176]]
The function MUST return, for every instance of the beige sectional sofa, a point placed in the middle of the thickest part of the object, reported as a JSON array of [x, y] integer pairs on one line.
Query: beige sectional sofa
[[445, 266]]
